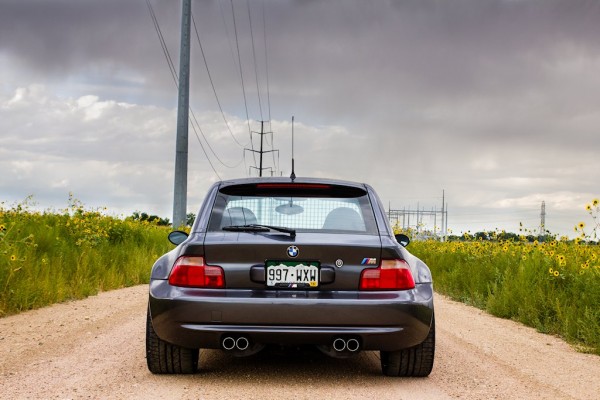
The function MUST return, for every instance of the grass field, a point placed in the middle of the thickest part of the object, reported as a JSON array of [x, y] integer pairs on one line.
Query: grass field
[[553, 286], [55, 256]]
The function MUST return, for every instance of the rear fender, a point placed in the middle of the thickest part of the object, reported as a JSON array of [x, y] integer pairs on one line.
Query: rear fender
[[162, 267], [392, 249]]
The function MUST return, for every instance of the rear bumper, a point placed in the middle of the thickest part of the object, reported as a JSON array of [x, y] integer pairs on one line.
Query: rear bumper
[[200, 318]]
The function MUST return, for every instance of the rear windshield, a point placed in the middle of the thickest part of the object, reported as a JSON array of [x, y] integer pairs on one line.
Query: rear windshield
[[308, 208]]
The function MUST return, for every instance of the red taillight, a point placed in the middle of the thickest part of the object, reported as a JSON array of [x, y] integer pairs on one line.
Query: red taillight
[[390, 275], [193, 272]]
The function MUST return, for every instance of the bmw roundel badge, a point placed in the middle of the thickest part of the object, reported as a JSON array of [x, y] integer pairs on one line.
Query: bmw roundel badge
[[293, 251]]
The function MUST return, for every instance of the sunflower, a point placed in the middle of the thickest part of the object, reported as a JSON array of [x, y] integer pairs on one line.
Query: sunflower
[[585, 265]]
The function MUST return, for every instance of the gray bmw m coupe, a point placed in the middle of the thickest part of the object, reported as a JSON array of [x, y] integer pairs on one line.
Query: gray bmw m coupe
[[276, 261]]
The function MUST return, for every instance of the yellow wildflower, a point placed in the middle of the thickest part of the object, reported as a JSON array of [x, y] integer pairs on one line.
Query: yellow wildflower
[[586, 265], [13, 258], [595, 202]]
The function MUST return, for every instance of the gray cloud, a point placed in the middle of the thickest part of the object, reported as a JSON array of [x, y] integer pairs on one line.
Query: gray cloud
[[494, 101]]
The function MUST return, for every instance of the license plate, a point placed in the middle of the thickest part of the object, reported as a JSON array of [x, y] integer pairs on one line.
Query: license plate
[[292, 275]]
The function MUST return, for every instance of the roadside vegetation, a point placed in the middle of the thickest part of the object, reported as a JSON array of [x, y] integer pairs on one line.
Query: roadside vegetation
[[552, 284], [53, 256]]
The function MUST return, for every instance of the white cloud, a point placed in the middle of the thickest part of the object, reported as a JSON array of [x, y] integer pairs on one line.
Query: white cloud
[[104, 151]]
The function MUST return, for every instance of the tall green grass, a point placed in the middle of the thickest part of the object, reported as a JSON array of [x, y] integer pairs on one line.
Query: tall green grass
[[54, 256], [553, 287], [51, 257]]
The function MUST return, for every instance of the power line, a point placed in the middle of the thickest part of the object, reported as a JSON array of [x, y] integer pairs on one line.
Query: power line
[[254, 59], [193, 120], [264, 20], [163, 45], [232, 58], [237, 44], [266, 63], [212, 83], [208, 144], [204, 151], [227, 33], [175, 78]]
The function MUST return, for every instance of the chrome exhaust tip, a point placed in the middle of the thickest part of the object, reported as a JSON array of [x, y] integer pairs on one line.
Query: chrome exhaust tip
[[339, 344], [228, 343], [353, 345], [242, 343]]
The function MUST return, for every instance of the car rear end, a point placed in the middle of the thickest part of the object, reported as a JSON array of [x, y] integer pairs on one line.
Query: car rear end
[[333, 277]]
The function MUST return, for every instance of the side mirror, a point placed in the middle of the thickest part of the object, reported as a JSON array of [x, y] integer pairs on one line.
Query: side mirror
[[177, 237], [402, 239]]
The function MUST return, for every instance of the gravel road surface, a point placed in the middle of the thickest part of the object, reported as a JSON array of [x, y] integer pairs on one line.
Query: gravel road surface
[[94, 348]]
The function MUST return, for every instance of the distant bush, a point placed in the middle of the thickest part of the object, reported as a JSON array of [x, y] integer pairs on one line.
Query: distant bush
[[144, 217]]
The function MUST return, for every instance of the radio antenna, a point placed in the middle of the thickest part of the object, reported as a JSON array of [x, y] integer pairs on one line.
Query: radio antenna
[[293, 175]]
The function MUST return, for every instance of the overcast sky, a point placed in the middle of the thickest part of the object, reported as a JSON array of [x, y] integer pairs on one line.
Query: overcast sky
[[497, 103]]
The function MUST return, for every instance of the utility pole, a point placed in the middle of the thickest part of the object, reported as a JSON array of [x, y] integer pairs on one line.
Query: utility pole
[[443, 230], [543, 221], [183, 105], [262, 133]]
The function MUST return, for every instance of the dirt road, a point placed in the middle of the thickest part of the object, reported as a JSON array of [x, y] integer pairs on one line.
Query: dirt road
[[94, 348]]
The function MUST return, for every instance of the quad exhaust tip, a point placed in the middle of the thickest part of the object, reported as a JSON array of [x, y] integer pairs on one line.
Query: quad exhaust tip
[[242, 343]]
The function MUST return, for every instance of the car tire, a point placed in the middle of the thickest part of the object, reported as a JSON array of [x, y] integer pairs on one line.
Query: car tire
[[416, 361], [166, 358]]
